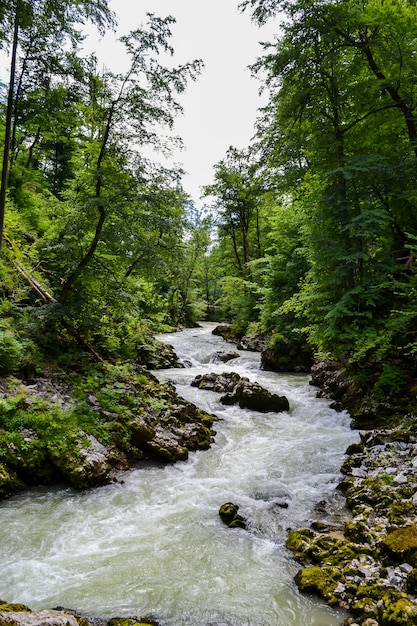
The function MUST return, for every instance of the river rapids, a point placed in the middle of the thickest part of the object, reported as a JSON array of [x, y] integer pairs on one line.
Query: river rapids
[[153, 543]]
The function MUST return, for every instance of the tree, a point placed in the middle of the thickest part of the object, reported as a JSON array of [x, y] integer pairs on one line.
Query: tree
[[338, 99], [237, 192], [124, 110], [34, 25]]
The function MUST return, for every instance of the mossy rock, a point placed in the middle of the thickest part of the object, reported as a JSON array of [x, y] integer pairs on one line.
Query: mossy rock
[[401, 545], [400, 613], [299, 542], [132, 621], [320, 580], [204, 437], [228, 513], [365, 608], [13, 608], [10, 482], [412, 582], [140, 431], [358, 531]]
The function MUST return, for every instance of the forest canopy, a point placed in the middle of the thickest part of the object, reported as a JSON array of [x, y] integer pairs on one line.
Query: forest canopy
[[311, 232]]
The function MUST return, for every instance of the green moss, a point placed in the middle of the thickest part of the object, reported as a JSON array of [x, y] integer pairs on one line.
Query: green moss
[[299, 542], [365, 608], [204, 436], [8, 607], [320, 580], [229, 515], [400, 613], [401, 544]]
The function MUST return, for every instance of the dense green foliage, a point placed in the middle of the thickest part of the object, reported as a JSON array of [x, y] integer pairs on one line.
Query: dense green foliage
[[99, 242], [312, 230], [335, 152]]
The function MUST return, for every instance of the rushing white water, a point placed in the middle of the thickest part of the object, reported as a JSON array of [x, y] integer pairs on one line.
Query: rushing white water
[[155, 545]]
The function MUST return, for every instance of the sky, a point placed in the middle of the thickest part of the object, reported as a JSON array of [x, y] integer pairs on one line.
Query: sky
[[220, 108]]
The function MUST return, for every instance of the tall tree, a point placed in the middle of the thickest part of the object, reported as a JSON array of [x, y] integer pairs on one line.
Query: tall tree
[[31, 25]]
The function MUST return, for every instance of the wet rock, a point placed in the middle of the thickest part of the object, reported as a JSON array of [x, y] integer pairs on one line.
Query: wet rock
[[252, 396], [157, 355], [9, 482], [225, 331], [223, 357], [220, 383], [229, 515], [241, 391], [401, 544], [255, 342], [166, 447], [287, 355], [82, 460], [39, 618]]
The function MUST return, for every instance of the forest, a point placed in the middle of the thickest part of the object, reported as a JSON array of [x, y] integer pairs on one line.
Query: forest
[[310, 233], [305, 250]]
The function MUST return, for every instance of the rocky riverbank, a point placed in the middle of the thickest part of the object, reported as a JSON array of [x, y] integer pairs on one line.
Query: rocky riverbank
[[368, 564], [82, 427], [21, 615]]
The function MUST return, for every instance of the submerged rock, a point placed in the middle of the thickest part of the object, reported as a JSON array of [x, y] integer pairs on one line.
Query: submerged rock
[[223, 357]]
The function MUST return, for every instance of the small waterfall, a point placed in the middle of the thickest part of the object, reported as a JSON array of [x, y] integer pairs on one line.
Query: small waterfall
[[154, 543]]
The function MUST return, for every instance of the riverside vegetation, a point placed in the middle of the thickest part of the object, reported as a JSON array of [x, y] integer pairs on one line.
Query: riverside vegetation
[[309, 249]]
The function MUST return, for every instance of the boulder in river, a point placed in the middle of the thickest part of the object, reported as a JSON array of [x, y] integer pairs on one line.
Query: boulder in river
[[223, 357], [241, 391], [229, 515]]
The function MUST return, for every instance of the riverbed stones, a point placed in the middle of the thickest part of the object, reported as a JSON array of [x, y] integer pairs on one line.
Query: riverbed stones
[[376, 558], [241, 391]]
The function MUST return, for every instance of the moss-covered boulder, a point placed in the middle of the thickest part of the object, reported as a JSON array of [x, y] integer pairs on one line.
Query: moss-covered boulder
[[81, 459], [165, 446], [401, 612], [401, 545], [321, 580], [9, 482], [229, 515]]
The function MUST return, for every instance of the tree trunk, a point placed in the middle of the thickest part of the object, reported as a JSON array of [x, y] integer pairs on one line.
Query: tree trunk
[[7, 137]]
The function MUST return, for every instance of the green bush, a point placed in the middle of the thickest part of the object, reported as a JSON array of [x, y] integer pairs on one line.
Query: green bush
[[391, 379], [11, 352]]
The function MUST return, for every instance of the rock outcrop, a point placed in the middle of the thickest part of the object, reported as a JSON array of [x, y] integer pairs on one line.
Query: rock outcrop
[[83, 438], [241, 391], [287, 355]]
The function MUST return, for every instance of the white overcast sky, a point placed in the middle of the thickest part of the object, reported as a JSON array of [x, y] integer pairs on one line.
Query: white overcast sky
[[220, 108]]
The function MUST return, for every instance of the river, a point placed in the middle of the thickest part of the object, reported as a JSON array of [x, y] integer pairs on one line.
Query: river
[[154, 543]]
